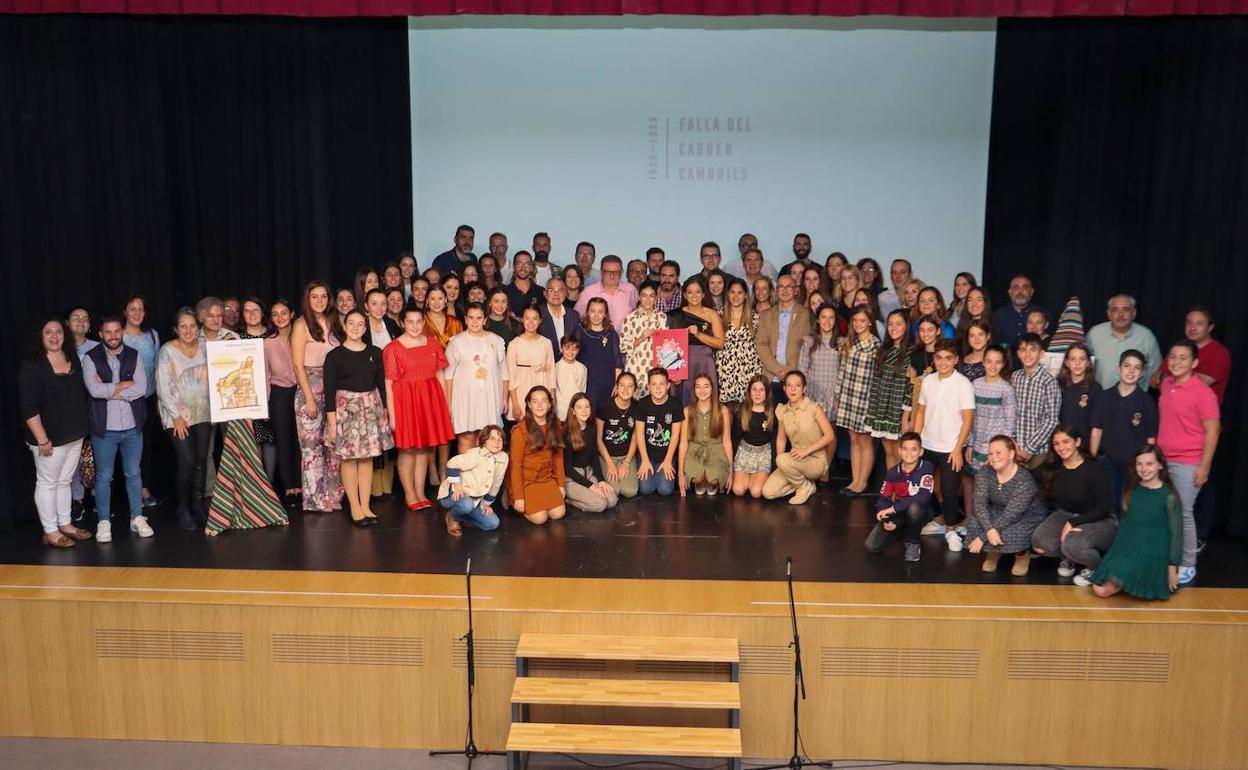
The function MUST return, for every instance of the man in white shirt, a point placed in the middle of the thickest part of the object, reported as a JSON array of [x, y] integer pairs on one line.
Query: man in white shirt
[[890, 299], [498, 250], [747, 243]]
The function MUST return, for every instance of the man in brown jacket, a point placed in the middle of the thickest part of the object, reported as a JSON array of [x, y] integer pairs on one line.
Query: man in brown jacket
[[781, 330]]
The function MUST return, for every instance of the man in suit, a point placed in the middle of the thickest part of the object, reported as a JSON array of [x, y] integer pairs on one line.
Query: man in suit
[[557, 320], [781, 330]]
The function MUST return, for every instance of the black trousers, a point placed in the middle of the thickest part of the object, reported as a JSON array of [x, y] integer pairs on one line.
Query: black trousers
[[950, 486], [282, 420], [909, 518], [192, 455]]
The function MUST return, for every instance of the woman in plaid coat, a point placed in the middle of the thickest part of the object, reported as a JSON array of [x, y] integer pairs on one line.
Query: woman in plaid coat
[[853, 395]]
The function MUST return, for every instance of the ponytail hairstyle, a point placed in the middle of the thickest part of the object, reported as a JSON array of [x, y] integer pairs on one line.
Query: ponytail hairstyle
[[542, 437]]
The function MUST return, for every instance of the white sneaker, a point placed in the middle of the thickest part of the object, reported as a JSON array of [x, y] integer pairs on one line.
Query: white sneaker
[[698, 489], [104, 532], [1186, 575], [932, 528], [1084, 578], [712, 490], [1065, 568], [954, 542], [140, 527]]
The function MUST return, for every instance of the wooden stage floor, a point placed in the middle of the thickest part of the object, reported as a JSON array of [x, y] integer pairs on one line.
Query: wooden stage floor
[[695, 538], [321, 634]]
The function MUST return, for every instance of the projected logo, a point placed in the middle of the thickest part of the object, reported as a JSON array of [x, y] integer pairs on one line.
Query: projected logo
[[698, 149]]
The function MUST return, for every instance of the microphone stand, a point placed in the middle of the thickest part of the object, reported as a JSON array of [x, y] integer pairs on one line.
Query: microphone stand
[[796, 762], [470, 750]]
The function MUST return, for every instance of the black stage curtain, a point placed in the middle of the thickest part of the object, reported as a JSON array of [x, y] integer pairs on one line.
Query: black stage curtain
[[1119, 163], [178, 157]]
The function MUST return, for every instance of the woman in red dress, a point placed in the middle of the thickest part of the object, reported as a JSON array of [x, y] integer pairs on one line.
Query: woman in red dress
[[416, 400]]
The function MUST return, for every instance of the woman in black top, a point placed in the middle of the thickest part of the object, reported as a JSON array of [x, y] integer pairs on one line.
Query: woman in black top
[[358, 427], [53, 403], [753, 439], [498, 318], [1082, 526], [706, 334], [582, 487]]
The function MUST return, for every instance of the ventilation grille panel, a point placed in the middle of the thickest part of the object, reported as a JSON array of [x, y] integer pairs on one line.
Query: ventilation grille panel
[[1089, 665], [764, 659], [168, 645], [348, 650], [490, 653], [907, 663], [677, 667]]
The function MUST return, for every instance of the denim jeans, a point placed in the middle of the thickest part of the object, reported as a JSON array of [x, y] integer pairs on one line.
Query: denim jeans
[[106, 447], [1183, 477], [468, 509], [656, 484]]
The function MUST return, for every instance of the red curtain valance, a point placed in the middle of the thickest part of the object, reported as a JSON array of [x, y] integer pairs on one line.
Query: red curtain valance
[[936, 8]]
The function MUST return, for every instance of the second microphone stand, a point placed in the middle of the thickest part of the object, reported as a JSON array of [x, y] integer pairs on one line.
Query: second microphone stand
[[796, 762], [470, 750]]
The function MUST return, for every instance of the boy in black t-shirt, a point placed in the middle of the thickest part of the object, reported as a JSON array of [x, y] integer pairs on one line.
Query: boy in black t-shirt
[[659, 419]]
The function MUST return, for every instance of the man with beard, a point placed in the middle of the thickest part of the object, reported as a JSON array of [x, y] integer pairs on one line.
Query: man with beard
[[523, 292], [543, 268], [117, 409], [669, 286], [801, 252], [454, 259]]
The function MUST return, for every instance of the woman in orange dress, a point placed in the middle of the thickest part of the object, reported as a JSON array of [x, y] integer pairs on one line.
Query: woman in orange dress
[[535, 475], [416, 402], [440, 325]]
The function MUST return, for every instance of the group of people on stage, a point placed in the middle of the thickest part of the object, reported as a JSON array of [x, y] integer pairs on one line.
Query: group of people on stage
[[507, 381]]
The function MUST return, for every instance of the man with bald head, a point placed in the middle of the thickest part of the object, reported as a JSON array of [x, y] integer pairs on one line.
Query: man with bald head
[[1109, 340]]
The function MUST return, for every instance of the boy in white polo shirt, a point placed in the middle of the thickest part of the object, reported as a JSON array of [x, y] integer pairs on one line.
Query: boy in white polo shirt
[[943, 418]]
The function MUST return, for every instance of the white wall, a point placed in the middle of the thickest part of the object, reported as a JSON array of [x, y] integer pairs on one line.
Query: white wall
[[869, 134]]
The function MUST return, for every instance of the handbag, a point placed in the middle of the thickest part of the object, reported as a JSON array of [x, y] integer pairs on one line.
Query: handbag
[[86, 465]]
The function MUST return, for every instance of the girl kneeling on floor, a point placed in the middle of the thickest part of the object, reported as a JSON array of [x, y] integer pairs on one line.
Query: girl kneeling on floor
[[1007, 508], [535, 480], [473, 480], [1144, 559], [705, 444], [583, 488]]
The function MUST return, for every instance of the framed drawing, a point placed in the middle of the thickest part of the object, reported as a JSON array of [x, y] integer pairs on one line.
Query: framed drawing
[[237, 380]]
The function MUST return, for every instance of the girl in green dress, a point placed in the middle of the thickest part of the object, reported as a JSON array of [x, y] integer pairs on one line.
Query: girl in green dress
[[1144, 558], [706, 444]]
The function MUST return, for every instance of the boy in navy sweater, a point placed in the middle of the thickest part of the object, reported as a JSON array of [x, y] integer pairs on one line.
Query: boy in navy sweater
[[901, 509]]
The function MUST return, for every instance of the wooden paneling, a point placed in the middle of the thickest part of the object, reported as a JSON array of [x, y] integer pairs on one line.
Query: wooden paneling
[[626, 739], [1005, 674]]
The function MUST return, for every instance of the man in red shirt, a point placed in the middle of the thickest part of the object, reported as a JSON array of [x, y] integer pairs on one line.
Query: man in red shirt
[[1214, 366]]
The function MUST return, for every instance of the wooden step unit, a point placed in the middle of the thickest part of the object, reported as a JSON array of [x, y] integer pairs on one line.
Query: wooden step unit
[[625, 739], [543, 737], [656, 648], [645, 693]]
